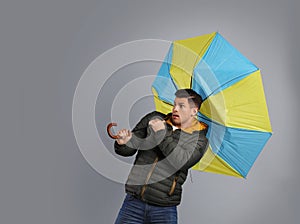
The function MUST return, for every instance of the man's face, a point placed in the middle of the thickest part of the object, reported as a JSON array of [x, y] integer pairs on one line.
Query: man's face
[[182, 113]]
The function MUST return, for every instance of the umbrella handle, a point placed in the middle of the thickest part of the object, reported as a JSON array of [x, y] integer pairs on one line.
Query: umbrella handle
[[109, 126]]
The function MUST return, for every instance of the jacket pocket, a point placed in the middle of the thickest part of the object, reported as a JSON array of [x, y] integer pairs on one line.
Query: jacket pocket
[[171, 192]]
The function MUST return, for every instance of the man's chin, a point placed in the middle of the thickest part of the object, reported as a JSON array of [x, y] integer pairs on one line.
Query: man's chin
[[175, 121]]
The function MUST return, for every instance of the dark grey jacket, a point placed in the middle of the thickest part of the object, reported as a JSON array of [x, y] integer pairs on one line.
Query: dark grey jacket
[[162, 161]]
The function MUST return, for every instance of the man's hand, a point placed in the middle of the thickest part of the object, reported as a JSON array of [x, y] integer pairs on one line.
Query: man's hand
[[157, 124], [125, 135]]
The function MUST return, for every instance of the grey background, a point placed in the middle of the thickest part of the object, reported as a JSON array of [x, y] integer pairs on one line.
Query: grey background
[[45, 46]]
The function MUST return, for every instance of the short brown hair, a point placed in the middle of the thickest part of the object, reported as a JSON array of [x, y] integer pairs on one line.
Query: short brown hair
[[191, 95]]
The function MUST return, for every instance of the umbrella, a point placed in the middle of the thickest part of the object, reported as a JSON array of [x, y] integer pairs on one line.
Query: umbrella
[[234, 104]]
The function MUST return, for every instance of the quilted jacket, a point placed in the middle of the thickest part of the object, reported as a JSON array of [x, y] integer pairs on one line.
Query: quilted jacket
[[162, 159]]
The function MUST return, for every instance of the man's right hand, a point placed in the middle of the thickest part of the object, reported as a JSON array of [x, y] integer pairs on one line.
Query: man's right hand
[[125, 135]]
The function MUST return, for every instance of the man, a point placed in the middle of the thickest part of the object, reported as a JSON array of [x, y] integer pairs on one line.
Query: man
[[166, 146]]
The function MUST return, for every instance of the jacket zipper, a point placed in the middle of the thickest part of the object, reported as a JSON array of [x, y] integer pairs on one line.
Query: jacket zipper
[[173, 186], [148, 177]]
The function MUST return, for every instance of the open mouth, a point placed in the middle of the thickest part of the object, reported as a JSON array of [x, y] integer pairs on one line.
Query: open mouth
[[175, 116]]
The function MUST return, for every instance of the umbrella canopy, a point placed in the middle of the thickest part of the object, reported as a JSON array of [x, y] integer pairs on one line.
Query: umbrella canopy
[[234, 103]]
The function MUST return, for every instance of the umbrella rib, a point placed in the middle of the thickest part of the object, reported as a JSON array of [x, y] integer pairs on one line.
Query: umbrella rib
[[242, 76]]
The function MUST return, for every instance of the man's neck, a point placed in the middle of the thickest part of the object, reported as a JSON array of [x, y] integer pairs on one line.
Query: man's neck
[[188, 124]]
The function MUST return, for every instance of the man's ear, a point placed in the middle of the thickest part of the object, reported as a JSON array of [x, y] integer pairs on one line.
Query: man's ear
[[195, 111]]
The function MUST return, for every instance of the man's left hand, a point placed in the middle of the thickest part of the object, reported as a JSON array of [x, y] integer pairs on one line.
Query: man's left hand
[[157, 124]]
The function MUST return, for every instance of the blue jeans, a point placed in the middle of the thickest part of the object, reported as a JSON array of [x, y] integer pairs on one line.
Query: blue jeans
[[134, 211]]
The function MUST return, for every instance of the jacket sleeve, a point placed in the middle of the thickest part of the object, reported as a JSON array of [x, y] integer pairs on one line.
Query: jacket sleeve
[[185, 152], [124, 150], [139, 135]]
